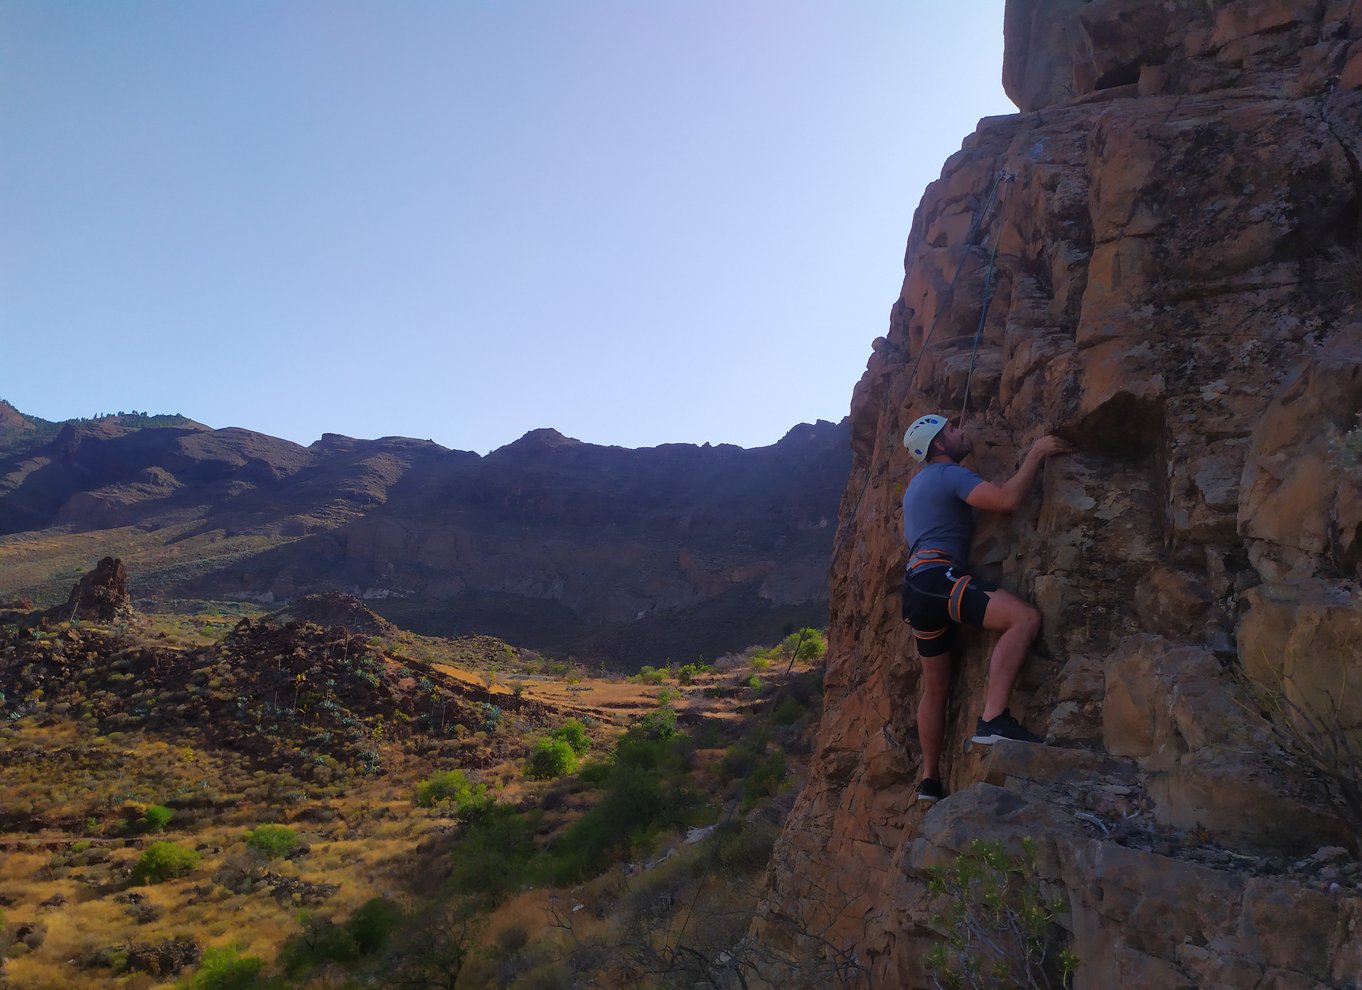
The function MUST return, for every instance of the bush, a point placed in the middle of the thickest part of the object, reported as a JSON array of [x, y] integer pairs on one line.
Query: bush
[[162, 861], [373, 923], [369, 929], [638, 798], [551, 758], [273, 841], [765, 779], [659, 724], [155, 818], [321, 941], [788, 712], [226, 969], [743, 847], [997, 922], [491, 860], [809, 643], [1311, 740], [443, 785], [573, 732]]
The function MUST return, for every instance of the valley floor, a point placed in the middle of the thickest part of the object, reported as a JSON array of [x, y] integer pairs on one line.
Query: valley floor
[[201, 798]]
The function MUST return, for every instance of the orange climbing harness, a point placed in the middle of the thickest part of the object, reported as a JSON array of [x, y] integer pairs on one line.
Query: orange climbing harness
[[930, 557]]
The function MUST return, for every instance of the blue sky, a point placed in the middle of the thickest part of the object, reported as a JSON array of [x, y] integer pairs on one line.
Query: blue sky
[[636, 221]]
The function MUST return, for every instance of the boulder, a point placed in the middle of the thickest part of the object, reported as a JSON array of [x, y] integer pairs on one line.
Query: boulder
[[100, 595]]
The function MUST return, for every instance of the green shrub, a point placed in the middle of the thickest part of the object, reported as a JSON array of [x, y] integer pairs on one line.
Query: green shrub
[[639, 796], [788, 712], [273, 841], [573, 732], [550, 759], [155, 818], [491, 860], [595, 772], [809, 642], [742, 847], [765, 780], [373, 923], [739, 760], [660, 724], [226, 969], [754, 682], [368, 930], [321, 941], [650, 675], [443, 785], [997, 922], [162, 861]]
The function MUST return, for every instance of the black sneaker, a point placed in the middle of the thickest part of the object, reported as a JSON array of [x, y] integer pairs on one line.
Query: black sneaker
[[986, 733], [930, 790]]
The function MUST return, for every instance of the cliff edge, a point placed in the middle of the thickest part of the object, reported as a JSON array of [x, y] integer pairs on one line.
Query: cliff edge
[[1177, 291]]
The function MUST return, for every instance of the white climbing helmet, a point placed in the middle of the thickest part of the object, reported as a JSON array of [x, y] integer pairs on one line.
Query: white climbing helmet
[[920, 434]]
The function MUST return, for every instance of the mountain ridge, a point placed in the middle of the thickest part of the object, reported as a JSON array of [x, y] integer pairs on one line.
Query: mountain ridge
[[563, 543]]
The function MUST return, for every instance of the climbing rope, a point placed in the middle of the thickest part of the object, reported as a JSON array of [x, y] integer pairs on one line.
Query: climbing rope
[[1002, 175], [983, 316]]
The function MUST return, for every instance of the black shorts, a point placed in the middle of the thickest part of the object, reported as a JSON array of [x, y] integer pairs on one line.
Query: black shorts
[[938, 599]]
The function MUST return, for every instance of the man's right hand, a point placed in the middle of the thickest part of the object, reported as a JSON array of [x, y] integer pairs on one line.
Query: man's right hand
[[1048, 446]]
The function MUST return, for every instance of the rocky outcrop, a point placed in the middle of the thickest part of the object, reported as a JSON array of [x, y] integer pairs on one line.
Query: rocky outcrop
[[336, 611], [101, 595], [1176, 292]]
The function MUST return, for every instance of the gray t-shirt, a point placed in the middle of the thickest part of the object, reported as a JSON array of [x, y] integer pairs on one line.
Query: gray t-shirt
[[935, 514]]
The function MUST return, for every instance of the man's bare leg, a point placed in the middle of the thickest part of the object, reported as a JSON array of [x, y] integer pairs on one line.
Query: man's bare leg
[[1019, 623], [931, 712]]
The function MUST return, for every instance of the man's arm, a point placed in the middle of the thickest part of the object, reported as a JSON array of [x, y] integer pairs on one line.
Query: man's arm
[[1007, 496]]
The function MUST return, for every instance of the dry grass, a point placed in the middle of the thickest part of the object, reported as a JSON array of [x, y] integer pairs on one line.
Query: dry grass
[[363, 831]]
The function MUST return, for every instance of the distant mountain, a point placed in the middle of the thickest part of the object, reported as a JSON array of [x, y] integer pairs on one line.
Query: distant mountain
[[20, 433], [634, 555]]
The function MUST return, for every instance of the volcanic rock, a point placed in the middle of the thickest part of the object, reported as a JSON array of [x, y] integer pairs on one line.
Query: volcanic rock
[[334, 609], [101, 595], [1175, 292]]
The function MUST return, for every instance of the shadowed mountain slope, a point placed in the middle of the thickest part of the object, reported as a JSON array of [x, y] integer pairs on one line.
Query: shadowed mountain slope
[[548, 542]]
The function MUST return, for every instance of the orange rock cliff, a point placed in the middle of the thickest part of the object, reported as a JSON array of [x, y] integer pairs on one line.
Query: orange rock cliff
[[1177, 291]]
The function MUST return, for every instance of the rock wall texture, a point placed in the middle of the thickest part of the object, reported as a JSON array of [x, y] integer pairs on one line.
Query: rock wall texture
[[1178, 292]]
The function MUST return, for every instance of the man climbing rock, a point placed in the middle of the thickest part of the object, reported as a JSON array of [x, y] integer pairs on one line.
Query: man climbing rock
[[939, 593]]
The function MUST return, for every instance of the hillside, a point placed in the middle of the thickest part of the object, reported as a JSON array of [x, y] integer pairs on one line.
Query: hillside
[[193, 796], [631, 555]]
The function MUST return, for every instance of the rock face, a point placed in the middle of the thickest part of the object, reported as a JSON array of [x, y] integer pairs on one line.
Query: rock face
[[675, 551], [101, 595], [1178, 292]]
